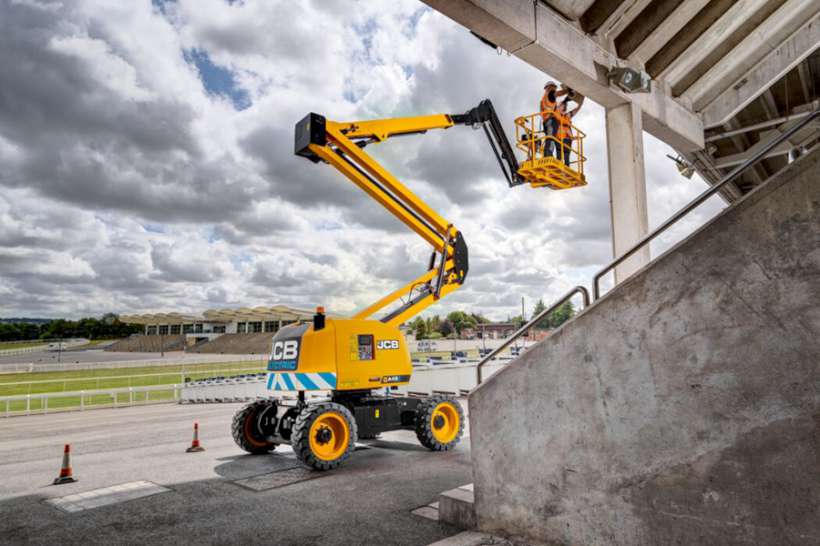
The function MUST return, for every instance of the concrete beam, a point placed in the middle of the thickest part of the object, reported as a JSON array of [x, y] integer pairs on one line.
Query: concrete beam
[[767, 37], [627, 186], [666, 30], [571, 9], [802, 137], [805, 80], [729, 22], [621, 18], [510, 25], [766, 73]]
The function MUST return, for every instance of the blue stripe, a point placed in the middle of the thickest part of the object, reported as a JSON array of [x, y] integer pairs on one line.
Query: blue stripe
[[288, 382], [329, 377], [270, 380], [305, 380]]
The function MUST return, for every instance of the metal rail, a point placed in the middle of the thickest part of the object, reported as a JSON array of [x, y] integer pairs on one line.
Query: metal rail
[[760, 154], [535, 320]]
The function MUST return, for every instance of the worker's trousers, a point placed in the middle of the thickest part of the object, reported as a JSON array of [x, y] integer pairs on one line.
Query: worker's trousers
[[567, 150], [550, 130]]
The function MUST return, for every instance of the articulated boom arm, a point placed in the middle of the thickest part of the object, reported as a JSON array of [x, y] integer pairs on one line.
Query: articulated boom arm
[[341, 145]]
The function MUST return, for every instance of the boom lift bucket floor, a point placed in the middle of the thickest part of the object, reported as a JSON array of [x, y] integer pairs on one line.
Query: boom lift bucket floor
[[552, 173]]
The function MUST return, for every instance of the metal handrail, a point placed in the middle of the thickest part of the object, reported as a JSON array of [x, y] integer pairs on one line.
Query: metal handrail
[[596, 292], [533, 321]]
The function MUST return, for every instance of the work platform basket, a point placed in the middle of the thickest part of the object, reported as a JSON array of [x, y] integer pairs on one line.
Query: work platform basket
[[553, 171]]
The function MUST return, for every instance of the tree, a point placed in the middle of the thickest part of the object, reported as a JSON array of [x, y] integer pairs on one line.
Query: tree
[[558, 317], [460, 320], [419, 328], [539, 308], [446, 328]]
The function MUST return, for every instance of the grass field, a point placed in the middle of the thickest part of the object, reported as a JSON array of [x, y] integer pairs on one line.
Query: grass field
[[110, 378], [11, 345]]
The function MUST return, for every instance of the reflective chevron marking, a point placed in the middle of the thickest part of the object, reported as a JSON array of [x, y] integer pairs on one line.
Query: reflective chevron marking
[[294, 381]]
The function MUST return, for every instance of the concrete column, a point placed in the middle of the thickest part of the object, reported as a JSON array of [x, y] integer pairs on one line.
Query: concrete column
[[627, 185]]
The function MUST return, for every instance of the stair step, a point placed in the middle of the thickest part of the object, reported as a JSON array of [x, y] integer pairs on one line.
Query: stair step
[[457, 507]]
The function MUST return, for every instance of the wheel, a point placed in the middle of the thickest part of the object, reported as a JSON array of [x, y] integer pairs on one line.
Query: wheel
[[324, 435], [253, 424], [439, 423]]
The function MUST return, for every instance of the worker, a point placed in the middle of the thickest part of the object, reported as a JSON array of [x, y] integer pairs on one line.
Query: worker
[[564, 119], [549, 123]]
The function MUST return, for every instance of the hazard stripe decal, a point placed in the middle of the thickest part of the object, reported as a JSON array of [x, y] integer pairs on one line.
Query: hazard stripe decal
[[293, 381]]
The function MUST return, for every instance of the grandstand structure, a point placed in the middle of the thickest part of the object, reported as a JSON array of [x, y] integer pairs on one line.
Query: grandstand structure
[[213, 322], [243, 330]]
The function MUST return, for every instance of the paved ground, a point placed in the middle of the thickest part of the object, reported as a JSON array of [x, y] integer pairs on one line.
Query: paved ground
[[367, 501]]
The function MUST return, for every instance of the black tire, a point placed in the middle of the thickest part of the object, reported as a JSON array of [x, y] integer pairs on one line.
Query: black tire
[[301, 442], [245, 428], [430, 433]]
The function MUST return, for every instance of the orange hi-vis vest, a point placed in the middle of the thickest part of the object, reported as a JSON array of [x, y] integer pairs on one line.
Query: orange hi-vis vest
[[547, 107], [564, 126]]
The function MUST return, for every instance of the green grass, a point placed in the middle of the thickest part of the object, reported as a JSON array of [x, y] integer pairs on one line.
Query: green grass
[[109, 378], [10, 345]]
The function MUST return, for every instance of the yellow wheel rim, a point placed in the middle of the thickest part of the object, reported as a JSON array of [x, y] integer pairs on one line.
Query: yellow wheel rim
[[329, 436], [445, 423]]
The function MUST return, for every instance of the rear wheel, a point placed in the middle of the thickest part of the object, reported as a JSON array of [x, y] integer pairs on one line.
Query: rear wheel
[[253, 424], [439, 423], [324, 435]]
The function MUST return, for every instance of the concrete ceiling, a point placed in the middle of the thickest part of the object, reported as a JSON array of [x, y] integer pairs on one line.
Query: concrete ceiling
[[743, 68]]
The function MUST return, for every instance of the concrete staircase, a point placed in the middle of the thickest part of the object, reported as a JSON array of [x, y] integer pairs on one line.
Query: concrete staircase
[[681, 408], [237, 344]]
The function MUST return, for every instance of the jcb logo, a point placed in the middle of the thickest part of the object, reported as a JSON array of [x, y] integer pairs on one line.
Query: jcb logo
[[285, 350], [388, 344]]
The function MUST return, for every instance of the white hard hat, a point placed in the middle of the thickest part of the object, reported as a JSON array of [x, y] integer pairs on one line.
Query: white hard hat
[[550, 83]]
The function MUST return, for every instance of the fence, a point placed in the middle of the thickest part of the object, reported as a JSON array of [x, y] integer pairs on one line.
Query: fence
[[28, 404]]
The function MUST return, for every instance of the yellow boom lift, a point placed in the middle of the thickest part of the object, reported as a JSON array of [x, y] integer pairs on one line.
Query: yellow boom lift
[[358, 359]]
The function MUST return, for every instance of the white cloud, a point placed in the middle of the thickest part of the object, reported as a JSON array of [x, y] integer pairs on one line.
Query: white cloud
[[128, 184]]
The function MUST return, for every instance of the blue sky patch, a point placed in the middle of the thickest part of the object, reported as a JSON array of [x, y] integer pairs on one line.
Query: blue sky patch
[[218, 80]]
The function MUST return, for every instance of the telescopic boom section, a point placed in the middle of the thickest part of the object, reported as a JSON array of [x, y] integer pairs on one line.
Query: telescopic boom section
[[341, 145]]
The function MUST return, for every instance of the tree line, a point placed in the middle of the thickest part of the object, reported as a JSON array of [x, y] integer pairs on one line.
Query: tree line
[[456, 322], [106, 327]]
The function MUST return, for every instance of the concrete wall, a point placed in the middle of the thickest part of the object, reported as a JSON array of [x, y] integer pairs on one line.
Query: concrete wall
[[683, 407]]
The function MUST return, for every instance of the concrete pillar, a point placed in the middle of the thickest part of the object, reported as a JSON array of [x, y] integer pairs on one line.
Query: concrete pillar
[[627, 185]]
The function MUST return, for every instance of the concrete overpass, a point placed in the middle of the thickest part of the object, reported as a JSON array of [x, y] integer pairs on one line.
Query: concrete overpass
[[727, 77]]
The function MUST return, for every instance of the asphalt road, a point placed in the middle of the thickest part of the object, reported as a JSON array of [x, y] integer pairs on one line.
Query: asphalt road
[[98, 356], [367, 501]]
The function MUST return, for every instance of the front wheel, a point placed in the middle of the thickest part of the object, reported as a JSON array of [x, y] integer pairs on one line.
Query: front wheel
[[253, 424], [324, 435], [439, 423]]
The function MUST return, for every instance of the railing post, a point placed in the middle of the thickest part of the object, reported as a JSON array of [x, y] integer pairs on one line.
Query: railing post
[[45, 404], [28, 404], [130, 396], [82, 400]]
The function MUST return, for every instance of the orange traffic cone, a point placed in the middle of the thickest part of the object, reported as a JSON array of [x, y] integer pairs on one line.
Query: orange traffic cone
[[195, 447], [65, 471]]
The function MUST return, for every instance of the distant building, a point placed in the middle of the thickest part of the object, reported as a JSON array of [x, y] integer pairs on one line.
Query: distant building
[[492, 330], [215, 322]]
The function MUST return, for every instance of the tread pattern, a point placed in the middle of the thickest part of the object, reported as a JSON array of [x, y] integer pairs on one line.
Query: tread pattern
[[238, 428], [300, 441], [424, 429]]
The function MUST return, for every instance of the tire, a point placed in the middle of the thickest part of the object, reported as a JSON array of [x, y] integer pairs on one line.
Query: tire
[[439, 423], [324, 435], [245, 428]]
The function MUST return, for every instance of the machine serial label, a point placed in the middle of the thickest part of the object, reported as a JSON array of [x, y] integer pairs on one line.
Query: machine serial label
[[388, 344], [395, 378], [285, 355]]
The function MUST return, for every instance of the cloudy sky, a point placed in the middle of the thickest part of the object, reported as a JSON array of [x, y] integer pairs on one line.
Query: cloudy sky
[[146, 160]]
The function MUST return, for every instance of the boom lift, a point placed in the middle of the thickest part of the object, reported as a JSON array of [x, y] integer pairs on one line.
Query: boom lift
[[354, 357]]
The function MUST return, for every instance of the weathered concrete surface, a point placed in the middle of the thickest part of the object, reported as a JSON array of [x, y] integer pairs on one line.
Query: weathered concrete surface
[[683, 407]]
